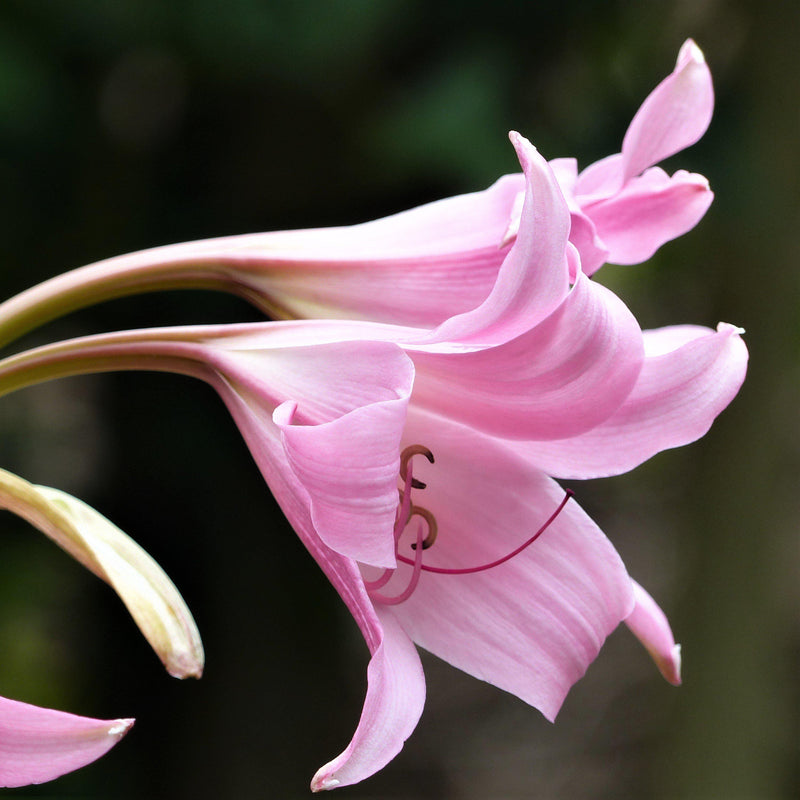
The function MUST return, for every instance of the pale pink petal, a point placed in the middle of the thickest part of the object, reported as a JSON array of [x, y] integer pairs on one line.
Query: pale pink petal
[[39, 744], [340, 423], [328, 368], [534, 277], [532, 625], [674, 115], [689, 376], [649, 211], [395, 681], [566, 173], [650, 626], [563, 377]]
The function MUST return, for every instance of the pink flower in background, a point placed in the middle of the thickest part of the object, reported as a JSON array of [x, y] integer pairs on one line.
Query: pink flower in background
[[38, 745], [420, 267]]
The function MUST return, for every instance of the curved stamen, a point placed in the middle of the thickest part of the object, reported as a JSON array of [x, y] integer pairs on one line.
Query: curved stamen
[[433, 527], [405, 511], [412, 583], [483, 567], [407, 455]]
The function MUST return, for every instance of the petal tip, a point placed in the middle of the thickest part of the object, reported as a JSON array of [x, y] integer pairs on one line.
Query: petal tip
[[186, 668], [120, 727], [323, 781], [690, 52], [669, 664], [650, 626], [673, 673], [525, 149], [732, 330]]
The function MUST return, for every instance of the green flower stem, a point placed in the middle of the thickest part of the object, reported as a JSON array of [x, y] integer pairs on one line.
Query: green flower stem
[[140, 350], [103, 281]]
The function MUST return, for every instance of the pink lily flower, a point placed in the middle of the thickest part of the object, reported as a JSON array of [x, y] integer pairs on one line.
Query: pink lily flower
[[548, 358], [332, 421], [421, 267], [331, 428]]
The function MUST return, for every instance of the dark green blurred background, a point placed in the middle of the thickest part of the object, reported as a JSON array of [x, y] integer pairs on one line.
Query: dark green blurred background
[[129, 124]]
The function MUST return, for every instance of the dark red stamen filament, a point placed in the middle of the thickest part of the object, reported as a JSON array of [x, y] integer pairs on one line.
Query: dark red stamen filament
[[470, 570]]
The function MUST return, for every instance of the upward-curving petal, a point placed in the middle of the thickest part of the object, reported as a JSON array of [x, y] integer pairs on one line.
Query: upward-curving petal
[[673, 116], [533, 624], [689, 376], [534, 277], [39, 744]]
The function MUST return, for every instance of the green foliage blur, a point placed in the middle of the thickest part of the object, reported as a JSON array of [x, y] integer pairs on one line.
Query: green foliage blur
[[134, 123]]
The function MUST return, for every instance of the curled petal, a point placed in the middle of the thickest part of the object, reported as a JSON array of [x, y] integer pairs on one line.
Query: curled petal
[[647, 212], [591, 248], [340, 426], [674, 115], [39, 744], [151, 598], [534, 277], [689, 376], [563, 377], [349, 469], [650, 626]]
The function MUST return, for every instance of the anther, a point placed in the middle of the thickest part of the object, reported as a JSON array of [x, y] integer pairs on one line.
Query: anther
[[407, 455]]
